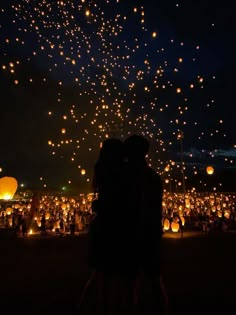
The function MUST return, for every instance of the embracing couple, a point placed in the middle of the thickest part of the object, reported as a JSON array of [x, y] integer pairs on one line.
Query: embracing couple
[[125, 235]]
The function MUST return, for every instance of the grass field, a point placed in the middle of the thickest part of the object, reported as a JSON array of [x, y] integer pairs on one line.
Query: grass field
[[46, 276]]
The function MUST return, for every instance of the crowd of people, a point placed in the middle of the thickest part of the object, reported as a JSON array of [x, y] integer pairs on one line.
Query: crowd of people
[[50, 215], [62, 215]]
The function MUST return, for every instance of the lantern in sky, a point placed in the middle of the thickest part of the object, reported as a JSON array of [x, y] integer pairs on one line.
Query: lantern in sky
[[210, 170], [83, 172], [8, 187]]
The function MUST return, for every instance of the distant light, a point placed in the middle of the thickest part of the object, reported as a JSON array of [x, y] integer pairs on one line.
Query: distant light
[[154, 34], [209, 170], [83, 172]]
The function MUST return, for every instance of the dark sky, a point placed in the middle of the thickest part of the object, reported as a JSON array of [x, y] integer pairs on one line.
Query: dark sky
[[24, 122]]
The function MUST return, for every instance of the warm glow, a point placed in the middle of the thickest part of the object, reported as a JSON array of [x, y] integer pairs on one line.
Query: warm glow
[[210, 170], [83, 172], [8, 187], [175, 227], [166, 224]]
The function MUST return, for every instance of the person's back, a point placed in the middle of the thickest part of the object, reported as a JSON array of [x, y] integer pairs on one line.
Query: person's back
[[146, 198], [147, 194], [108, 232], [108, 184]]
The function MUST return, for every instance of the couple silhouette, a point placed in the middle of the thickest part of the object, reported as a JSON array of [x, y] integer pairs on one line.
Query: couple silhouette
[[124, 237]]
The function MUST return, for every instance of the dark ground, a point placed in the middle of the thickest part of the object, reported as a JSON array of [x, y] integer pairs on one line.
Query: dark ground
[[46, 276]]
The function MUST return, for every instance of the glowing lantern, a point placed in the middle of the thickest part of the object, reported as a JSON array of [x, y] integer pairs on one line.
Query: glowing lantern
[[227, 214], [175, 227], [182, 220], [167, 168], [9, 211], [63, 130], [166, 224], [63, 206], [83, 172], [187, 203], [210, 170], [8, 187]]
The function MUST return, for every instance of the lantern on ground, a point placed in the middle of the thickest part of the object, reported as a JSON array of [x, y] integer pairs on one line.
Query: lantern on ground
[[227, 214], [175, 227], [9, 211], [182, 220], [8, 187], [166, 224], [63, 206]]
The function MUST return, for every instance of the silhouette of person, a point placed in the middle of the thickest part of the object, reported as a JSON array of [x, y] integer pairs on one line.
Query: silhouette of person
[[24, 227], [108, 230], [43, 225], [147, 194]]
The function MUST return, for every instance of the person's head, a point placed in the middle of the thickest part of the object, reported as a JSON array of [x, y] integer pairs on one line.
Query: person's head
[[136, 147], [112, 150]]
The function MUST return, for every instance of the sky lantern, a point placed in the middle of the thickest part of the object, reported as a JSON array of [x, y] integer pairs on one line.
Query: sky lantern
[[154, 34], [83, 172], [63, 130], [210, 170], [8, 187]]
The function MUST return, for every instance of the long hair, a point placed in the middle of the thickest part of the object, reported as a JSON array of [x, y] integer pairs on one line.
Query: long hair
[[111, 155]]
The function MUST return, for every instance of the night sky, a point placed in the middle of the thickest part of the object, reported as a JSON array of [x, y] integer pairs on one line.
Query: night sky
[[75, 72]]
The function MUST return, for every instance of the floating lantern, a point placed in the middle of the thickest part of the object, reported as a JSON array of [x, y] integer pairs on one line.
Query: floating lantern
[[210, 170], [8, 187], [83, 172]]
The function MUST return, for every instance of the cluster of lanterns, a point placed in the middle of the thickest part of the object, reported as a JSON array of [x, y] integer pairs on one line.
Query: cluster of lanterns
[[173, 225]]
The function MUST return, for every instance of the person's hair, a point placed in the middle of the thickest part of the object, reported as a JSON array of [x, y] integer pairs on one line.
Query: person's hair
[[136, 146], [112, 149], [111, 155]]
